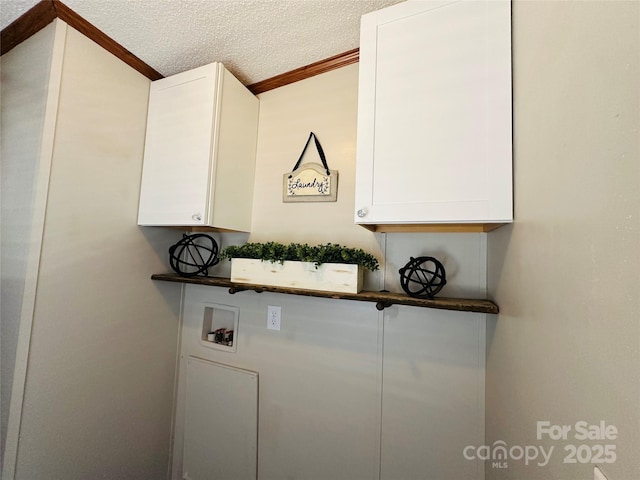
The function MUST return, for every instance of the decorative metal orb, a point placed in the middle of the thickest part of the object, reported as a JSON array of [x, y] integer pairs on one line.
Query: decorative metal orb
[[422, 277], [193, 255]]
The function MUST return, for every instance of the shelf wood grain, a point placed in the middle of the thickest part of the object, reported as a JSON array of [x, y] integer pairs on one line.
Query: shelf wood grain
[[381, 299]]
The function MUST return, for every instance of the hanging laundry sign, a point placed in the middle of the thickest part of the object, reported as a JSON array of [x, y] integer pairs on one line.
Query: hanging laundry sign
[[310, 182]]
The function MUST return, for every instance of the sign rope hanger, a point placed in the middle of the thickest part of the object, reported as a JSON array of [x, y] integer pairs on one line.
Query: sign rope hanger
[[311, 182]]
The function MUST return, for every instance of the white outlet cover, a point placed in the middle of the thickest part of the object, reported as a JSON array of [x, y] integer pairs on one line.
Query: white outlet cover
[[273, 317]]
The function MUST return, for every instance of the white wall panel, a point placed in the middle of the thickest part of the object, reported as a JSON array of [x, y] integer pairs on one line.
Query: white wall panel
[[221, 422], [433, 394], [319, 400]]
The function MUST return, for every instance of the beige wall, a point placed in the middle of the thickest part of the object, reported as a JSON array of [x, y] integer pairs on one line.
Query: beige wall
[[566, 346], [326, 105], [99, 389]]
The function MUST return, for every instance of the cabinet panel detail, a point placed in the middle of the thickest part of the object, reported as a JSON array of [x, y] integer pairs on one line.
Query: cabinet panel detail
[[434, 119]]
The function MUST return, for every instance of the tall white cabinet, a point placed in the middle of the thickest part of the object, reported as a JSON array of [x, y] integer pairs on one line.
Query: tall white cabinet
[[434, 114], [91, 340], [200, 151]]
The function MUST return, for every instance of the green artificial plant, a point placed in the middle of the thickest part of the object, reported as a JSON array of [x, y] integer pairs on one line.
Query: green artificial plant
[[319, 254]]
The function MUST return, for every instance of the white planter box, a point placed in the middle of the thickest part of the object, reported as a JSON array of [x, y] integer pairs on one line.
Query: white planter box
[[328, 277]]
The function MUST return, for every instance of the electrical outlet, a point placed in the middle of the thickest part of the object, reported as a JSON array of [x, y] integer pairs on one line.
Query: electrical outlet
[[273, 317]]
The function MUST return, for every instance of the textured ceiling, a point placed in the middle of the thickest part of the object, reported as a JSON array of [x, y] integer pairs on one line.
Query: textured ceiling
[[255, 39]]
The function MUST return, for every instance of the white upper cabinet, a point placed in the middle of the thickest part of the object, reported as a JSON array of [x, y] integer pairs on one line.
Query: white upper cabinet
[[200, 151], [434, 115]]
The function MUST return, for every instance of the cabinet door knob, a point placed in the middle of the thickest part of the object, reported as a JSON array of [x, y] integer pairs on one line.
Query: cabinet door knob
[[362, 213], [197, 217]]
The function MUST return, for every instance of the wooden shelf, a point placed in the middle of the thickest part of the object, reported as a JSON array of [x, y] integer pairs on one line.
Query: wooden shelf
[[381, 299]]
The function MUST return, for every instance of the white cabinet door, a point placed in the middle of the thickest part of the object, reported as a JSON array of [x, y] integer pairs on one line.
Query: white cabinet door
[[200, 151], [434, 118], [177, 169]]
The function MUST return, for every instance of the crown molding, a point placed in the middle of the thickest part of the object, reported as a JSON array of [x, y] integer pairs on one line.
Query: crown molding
[[46, 11], [323, 66], [31, 22]]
